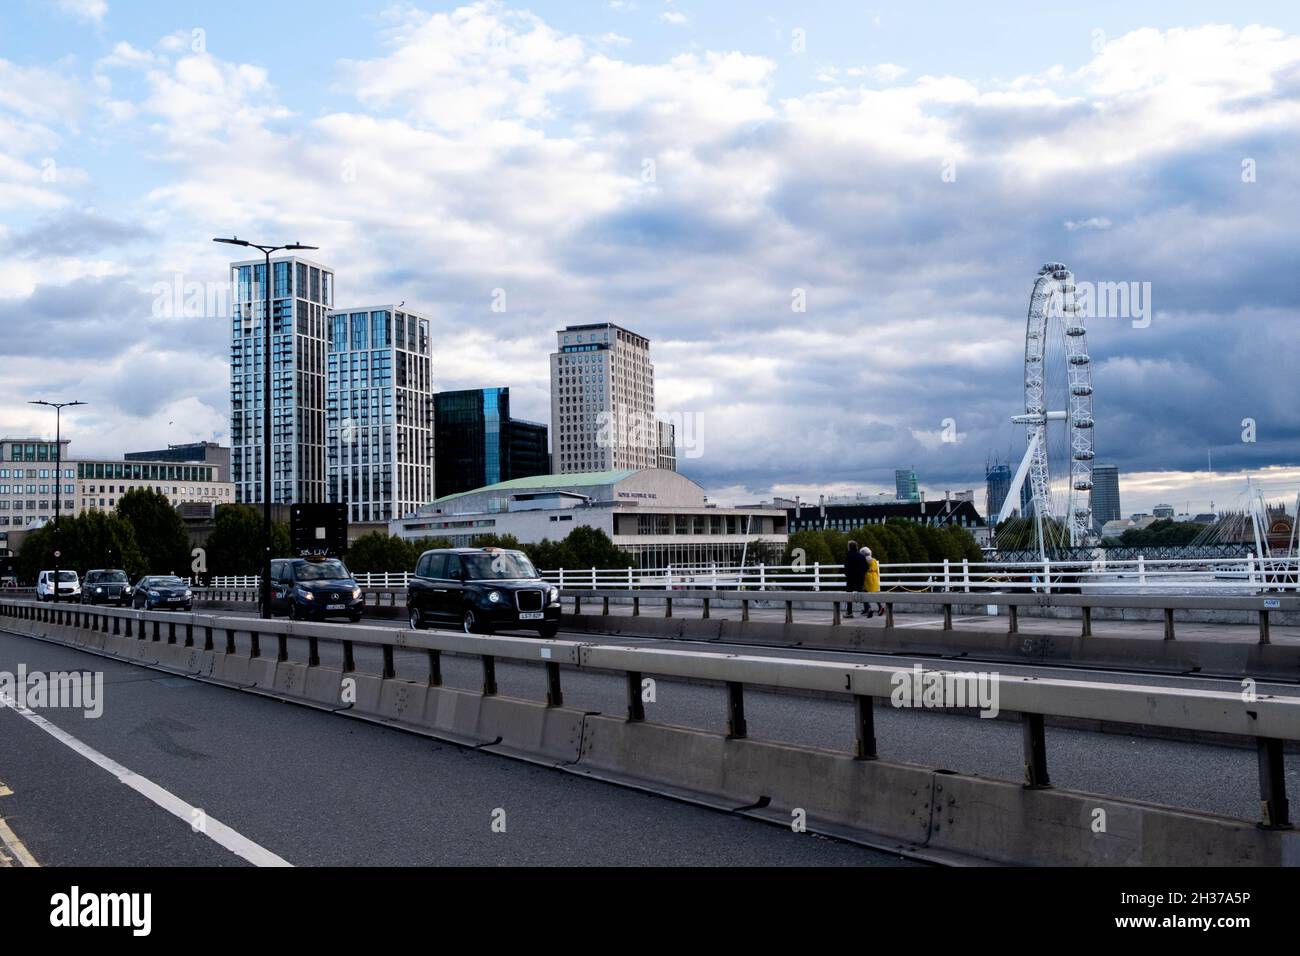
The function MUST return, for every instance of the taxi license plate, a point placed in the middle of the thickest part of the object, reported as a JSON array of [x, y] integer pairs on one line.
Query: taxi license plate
[[531, 615], [336, 607]]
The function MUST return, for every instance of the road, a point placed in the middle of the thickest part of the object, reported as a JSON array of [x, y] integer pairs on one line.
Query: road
[[307, 779], [314, 788]]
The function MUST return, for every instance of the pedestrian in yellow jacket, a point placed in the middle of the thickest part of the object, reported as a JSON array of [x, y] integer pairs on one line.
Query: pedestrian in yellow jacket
[[872, 583]]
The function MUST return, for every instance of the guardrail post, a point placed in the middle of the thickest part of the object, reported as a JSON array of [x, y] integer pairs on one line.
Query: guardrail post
[[282, 647], [1035, 740], [762, 577], [577, 604], [889, 614], [668, 607], [1264, 637], [561, 577], [1087, 621], [1013, 619], [207, 637], [1273, 806], [965, 574], [313, 651], [604, 607], [189, 634], [489, 675], [636, 606], [554, 695], [635, 705], [349, 663], [156, 632], [817, 575], [171, 632], [736, 726], [388, 671], [1142, 570], [864, 721], [117, 626], [230, 640], [705, 612], [1047, 577], [789, 612], [435, 667], [744, 609], [629, 579], [593, 579], [947, 617], [1169, 624], [945, 574], [255, 642], [835, 613]]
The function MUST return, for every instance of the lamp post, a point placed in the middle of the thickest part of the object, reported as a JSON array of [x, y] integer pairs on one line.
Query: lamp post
[[266, 408], [58, 479]]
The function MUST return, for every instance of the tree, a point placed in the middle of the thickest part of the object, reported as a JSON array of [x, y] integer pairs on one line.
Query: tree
[[813, 546], [593, 548], [378, 553], [159, 531], [92, 540], [235, 544]]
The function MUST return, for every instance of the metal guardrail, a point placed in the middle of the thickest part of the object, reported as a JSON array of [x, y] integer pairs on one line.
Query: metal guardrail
[[1270, 721], [1263, 606], [1140, 574]]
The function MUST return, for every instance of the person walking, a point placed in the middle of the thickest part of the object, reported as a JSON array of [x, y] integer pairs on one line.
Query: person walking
[[855, 572], [871, 581]]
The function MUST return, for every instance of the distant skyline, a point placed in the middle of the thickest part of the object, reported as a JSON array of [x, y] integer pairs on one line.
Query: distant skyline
[[696, 173]]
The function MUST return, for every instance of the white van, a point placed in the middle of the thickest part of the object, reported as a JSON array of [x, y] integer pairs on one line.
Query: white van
[[69, 586]]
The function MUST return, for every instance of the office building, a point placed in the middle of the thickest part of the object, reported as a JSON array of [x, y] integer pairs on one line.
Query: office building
[[851, 516], [302, 295], [29, 480], [379, 412], [602, 401], [1105, 494], [905, 485], [208, 452], [102, 482], [997, 484], [659, 517], [480, 444], [1163, 511]]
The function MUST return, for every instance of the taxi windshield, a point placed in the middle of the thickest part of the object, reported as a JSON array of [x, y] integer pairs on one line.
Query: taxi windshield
[[501, 566], [320, 571]]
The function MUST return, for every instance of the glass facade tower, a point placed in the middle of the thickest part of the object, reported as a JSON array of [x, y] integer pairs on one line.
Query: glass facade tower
[[480, 444], [379, 415], [302, 293]]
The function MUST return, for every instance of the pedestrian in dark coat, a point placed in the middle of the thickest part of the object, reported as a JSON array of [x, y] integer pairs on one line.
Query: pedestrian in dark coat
[[855, 572]]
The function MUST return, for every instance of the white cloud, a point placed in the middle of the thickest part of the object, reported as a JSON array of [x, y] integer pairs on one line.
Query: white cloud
[[94, 10]]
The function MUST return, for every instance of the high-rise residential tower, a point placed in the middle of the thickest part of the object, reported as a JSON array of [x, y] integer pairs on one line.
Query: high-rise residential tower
[[379, 400], [602, 400], [302, 293]]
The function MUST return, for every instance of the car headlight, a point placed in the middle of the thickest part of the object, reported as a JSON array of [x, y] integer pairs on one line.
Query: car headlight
[[356, 593], [153, 594], [99, 590], [189, 593], [553, 595], [307, 595], [495, 597]]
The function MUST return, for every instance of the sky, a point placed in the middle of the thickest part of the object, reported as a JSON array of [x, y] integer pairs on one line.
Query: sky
[[827, 218]]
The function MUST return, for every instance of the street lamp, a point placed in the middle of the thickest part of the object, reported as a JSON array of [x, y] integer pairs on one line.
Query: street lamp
[[58, 479], [266, 409]]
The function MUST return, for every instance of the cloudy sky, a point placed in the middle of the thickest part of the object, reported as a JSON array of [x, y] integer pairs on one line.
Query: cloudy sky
[[692, 170]]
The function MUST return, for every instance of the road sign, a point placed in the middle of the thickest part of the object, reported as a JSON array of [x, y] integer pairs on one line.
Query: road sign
[[318, 529]]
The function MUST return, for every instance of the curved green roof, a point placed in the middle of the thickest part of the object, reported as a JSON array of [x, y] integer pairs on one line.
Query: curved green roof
[[577, 479]]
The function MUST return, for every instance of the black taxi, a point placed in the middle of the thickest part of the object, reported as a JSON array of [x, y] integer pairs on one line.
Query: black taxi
[[482, 590]]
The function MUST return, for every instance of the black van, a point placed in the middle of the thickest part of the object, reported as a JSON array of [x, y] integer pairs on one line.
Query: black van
[[482, 589]]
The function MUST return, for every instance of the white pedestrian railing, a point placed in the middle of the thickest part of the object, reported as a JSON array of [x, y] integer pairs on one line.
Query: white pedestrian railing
[[1228, 575]]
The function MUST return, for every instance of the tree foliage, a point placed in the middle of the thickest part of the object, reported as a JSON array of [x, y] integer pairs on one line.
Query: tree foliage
[[235, 545], [92, 540], [159, 531]]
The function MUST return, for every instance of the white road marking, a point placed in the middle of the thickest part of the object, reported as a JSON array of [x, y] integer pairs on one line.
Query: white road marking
[[215, 830]]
